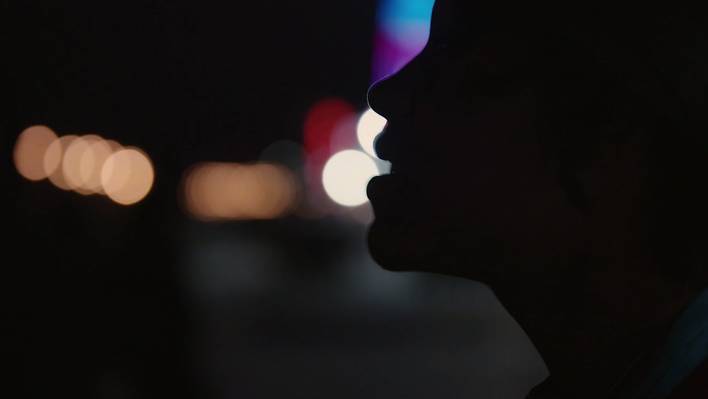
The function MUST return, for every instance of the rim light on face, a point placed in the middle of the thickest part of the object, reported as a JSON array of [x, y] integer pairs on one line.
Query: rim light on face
[[403, 28]]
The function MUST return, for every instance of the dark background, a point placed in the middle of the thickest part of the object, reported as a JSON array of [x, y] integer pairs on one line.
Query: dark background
[[105, 301]]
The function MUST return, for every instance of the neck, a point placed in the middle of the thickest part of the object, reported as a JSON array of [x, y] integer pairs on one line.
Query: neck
[[594, 337], [595, 368]]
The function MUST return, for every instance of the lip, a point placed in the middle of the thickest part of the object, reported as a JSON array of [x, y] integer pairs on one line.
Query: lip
[[385, 186], [388, 195]]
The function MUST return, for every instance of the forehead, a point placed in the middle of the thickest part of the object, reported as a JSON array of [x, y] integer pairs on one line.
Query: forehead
[[486, 29], [473, 20]]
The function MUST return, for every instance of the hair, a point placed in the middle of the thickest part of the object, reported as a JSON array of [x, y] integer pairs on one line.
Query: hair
[[612, 73]]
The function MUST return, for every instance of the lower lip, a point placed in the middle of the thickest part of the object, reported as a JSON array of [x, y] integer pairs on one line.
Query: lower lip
[[385, 186], [388, 195]]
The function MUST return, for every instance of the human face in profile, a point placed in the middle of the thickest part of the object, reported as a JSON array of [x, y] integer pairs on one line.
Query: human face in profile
[[470, 192]]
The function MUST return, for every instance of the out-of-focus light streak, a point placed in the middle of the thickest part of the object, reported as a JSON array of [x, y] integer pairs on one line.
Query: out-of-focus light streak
[[346, 175], [402, 31], [230, 191], [71, 164], [329, 127], [54, 161], [127, 176], [92, 162], [334, 167], [29, 152], [85, 164], [51, 159], [323, 119]]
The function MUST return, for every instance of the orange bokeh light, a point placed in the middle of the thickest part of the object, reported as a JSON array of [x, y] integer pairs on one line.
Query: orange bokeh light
[[85, 164], [54, 159], [71, 164], [92, 161], [226, 191], [30, 148], [127, 176]]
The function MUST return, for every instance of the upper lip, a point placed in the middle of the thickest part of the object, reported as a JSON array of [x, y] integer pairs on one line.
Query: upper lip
[[381, 142], [392, 182]]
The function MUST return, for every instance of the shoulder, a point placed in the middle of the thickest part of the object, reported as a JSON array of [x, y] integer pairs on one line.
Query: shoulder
[[695, 386]]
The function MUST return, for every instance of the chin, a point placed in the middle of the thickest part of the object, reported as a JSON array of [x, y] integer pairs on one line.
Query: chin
[[401, 247], [407, 247]]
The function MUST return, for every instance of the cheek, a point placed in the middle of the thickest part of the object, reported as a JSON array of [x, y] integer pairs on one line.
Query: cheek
[[502, 188], [491, 180]]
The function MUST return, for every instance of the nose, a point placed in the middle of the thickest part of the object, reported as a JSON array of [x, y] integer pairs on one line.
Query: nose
[[383, 101], [394, 99]]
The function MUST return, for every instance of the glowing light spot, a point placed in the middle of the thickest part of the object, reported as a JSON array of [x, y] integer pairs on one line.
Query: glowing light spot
[[29, 152], [127, 176], [92, 161], [71, 164], [53, 161], [196, 191], [368, 129], [330, 126], [226, 191], [322, 121], [346, 175], [115, 146]]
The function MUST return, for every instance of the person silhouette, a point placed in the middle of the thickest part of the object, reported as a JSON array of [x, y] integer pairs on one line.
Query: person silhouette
[[556, 154]]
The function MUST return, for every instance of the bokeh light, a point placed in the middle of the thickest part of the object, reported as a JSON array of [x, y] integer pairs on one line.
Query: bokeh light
[[54, 160], [322, 120], [230, 191], [344, 135], [85, 164], [346, 175], [368, 129], [330, 126], [127, 176], [30, 148], [92, 161], [71, 164]]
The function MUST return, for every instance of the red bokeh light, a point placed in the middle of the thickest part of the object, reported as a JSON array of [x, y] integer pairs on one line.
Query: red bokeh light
[[322, 121], [329, 126]]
